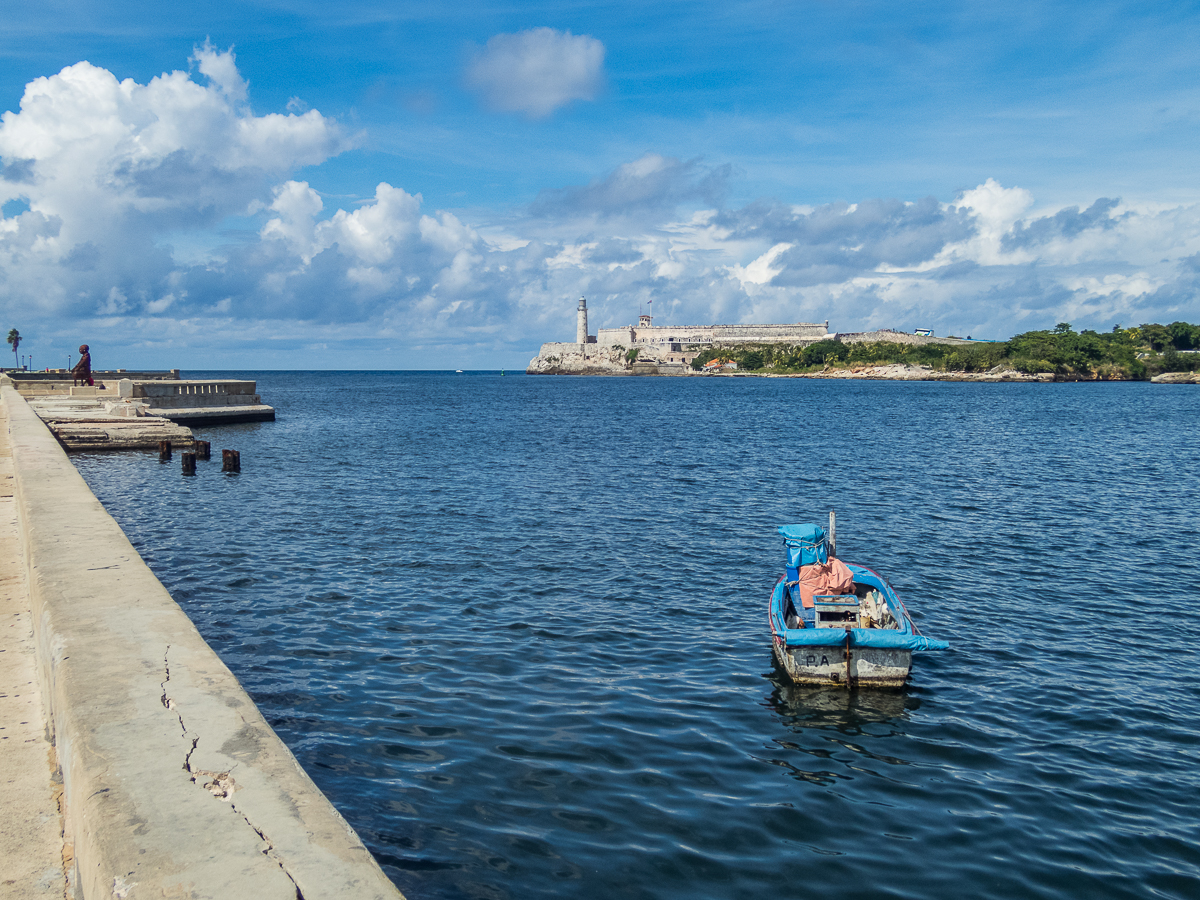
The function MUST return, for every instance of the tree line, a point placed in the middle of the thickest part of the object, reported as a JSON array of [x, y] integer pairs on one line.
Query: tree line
[[1121, 354]]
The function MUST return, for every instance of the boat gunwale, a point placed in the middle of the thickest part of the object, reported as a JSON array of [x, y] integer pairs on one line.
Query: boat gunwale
[[906, 633]]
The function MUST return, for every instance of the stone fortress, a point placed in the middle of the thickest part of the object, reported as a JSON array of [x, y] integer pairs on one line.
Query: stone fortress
[[670, 349]]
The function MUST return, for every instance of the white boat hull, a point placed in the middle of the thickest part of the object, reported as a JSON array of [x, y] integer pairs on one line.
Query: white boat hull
[[853, 666]]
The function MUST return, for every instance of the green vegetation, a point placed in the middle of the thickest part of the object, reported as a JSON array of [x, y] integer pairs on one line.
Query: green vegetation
[[632, 355], [1122, 354]]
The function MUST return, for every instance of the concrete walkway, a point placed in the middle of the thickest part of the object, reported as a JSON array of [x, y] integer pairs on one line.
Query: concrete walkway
[[32, 863]]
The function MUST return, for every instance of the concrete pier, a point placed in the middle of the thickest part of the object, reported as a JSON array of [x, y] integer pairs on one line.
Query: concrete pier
[[137, 415], [206, 402], [173, 784], [33, 863]]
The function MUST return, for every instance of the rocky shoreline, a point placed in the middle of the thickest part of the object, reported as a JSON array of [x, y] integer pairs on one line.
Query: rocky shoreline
[[906, 372], [588, 359], [1177, 378]]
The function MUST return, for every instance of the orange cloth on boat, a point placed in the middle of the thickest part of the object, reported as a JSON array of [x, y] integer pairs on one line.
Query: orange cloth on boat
[[823, 578]]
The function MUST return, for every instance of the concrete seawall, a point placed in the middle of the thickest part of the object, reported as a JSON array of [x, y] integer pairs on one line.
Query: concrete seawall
[[174, 784]]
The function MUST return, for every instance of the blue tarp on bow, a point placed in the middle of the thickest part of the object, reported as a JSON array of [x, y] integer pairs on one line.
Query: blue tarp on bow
[[806, 545]]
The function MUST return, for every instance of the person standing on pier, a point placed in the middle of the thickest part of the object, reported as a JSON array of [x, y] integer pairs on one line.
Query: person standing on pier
[[82, 373]]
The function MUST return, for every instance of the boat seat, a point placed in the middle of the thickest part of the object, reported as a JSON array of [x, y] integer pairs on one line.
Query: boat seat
[[806, 614], [835, 610]]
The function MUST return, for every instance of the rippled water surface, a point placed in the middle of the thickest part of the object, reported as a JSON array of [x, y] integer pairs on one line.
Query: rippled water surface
[[515, 628]]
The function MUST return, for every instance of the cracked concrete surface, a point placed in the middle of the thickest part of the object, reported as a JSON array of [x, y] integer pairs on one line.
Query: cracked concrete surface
[[151, 726], [31, 835], [81, 423]]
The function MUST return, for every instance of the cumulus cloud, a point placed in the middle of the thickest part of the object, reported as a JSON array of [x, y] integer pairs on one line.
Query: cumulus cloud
[[839, 241], [1066, 223], [221, 70], [384, 259], [537, 71], [110, 168]]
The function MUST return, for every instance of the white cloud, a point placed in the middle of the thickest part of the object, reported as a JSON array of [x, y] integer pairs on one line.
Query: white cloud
[[110, 169], [297, 206], [975, 265], [761, 270], [161, 305], [537, 71], [995, 210], [374, 233], [221, 69], [381, 232]]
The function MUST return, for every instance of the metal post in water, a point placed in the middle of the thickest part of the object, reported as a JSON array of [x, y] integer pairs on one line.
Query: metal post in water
[[164, 450], [203, 450], [189, 463], [231, 461]]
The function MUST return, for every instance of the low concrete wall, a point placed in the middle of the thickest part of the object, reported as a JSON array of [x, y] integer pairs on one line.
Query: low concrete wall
[[208, 402], [896, 337], [181, 394], [60, 380], [175, 786]]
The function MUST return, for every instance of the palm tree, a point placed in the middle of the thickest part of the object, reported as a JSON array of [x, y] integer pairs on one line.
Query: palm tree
[[14, 338]]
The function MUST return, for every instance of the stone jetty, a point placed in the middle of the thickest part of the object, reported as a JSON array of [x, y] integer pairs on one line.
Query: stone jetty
[[120, 413]]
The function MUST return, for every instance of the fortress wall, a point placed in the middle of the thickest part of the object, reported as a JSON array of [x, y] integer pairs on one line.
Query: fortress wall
[[665, 335], [796, 333], [895, 337], [610, 337], [569, 348], [629, 335], [174, 784]]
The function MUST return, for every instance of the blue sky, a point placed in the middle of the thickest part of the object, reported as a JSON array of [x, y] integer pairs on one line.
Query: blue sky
[[402, 185]]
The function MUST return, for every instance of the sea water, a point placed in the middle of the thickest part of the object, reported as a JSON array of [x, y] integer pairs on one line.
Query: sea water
[[515, 628]]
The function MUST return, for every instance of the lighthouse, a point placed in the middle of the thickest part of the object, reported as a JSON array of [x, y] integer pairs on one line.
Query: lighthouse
[[581, 335]]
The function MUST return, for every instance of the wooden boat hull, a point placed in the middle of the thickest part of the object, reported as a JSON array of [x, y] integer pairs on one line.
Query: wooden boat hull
[[852, 666], [844, 624]]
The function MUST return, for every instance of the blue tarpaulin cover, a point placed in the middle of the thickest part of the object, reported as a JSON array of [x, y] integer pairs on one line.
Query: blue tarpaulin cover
[[902, 638], [861, 637], [806, 544]]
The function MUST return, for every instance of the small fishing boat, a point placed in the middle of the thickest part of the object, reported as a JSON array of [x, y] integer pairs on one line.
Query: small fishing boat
[[839, 623]]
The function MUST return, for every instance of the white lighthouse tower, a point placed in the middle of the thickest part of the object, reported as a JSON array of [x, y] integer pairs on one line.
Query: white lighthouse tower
[[581, 334]]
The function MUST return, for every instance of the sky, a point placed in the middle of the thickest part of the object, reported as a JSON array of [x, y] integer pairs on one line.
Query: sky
[[393, 185]]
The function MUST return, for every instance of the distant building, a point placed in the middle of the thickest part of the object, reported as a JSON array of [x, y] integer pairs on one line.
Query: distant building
[[716, 365], [581, 326], [673, 338], [670, 349]]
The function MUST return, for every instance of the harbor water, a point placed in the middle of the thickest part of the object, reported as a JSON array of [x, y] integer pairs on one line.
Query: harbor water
[[515, 628]]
